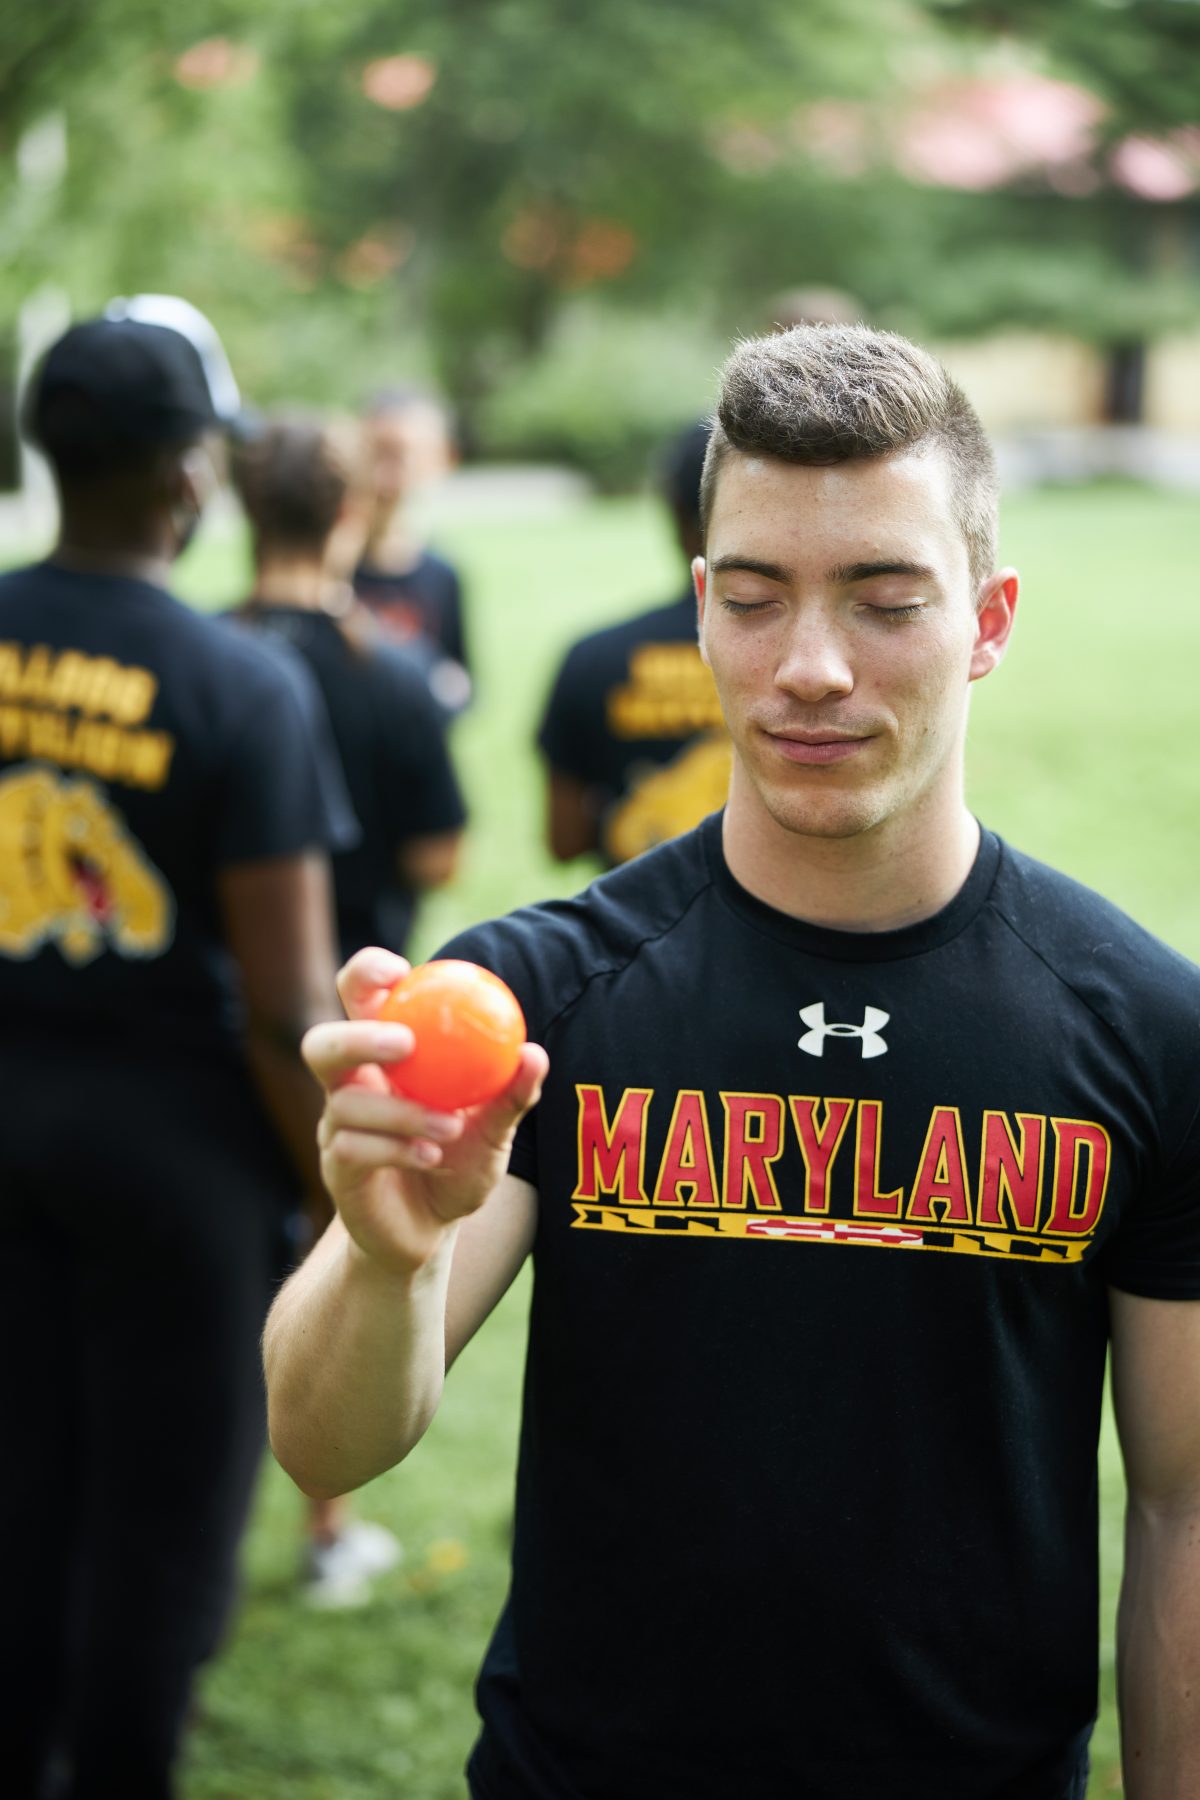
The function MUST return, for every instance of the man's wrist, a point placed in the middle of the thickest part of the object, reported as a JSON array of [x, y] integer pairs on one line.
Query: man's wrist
[[368, 1272]]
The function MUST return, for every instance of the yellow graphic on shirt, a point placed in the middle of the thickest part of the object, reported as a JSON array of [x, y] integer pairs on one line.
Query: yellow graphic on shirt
[[670, 693], [71, 873], [82, 712], [670, 800]]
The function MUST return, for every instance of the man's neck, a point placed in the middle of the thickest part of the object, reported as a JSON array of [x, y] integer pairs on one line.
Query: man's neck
[[391, 543], [135, 565], [299, 581], [894, 875], [102, 532]]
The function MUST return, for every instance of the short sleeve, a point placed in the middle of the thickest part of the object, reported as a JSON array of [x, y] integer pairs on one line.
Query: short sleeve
[[564, 736], [523, 1158], [454, 637], [282, 788], [421, 793], [1155, 1251]]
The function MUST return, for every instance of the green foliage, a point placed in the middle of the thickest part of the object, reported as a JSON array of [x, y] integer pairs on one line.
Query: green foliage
[[1141, 55], [606, 392], [442, 188]]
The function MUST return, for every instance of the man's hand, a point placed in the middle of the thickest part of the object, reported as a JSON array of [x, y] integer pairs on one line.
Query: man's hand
[[399, 1174]]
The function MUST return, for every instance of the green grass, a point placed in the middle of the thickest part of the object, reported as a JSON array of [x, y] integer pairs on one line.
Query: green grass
[[1084, 752]]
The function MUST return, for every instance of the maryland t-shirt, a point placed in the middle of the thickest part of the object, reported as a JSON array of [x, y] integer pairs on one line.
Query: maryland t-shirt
[[143, 749], [633, 715], [391, 738], [807, 1493]]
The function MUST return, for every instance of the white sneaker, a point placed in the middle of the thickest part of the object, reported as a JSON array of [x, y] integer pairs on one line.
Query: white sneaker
[[339, 1573]]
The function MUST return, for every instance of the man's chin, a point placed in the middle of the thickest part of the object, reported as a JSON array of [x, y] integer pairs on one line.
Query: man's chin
[[829, 815]]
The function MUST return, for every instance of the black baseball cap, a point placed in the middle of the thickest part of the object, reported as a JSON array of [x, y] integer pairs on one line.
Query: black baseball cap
[[148, 374]]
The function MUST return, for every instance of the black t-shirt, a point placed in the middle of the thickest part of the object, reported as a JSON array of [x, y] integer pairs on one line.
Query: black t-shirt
[[633, 714], [143, 749], [807, 1492], [422, 607], [392, 743]]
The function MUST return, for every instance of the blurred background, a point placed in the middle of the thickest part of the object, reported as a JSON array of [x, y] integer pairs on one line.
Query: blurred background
[[560, 218]]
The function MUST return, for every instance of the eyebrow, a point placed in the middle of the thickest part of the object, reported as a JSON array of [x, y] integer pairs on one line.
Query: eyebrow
[[846, 573], [748, 565], [842, 575]]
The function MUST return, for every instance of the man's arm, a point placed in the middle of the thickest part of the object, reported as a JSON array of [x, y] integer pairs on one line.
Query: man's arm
[[430, 1232], [430, 859], [277, 917], [572, 826], [1156, 1393]]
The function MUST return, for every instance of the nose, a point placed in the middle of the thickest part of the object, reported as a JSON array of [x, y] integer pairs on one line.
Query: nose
[[815, 662]]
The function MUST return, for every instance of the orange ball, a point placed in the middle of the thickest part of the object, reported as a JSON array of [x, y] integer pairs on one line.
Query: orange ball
[[469, 1030]]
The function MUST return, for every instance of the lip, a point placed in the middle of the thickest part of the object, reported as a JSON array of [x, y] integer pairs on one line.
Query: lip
[[816, 747]]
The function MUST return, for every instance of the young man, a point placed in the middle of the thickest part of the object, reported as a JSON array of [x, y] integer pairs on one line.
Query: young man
[[636, 750], [166, 936], [297, 479], [861, 1138], [415, 594]]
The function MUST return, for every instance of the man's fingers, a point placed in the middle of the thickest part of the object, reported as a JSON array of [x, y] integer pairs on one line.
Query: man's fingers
[[365, 980], [355, 1108], [336, 1052], [496, 1119], [349, 1155]]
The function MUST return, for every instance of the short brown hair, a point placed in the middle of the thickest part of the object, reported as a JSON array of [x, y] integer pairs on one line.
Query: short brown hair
[[822, 394], [293, 477]]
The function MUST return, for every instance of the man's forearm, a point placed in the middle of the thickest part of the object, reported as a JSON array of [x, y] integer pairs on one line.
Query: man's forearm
[[1158, 1653], [292, 1101], [355, 1362]]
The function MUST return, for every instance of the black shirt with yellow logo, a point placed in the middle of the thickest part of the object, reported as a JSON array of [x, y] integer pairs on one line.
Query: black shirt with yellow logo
[[807, 1495], [633, 715], [143, 748]]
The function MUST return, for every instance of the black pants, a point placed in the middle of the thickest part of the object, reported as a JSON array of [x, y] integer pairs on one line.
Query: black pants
[[143, 1215]]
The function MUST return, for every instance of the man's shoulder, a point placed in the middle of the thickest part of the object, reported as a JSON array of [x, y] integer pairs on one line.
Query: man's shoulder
[[258, 664], [1123, 972], [399, 672], [551, 954], [613, 644], [15, 583], [204, 648], [433, 563]]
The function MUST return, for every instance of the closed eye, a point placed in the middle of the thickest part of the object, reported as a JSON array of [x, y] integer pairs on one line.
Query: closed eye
[[896, 613], [739, 608]]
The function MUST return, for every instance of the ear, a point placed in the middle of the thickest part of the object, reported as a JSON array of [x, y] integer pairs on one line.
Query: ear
[[700, 583], [196, 478], [993, 621]]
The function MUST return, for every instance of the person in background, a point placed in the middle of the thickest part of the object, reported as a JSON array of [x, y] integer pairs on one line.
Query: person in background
[[415, 594], [812, 306], [634, 744], [296, 478], [166, 938]]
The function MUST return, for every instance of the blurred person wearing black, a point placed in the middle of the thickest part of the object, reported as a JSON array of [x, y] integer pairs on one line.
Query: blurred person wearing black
[[635, 747], [812, 306], [296, 480], [415, 594], [166, 937]]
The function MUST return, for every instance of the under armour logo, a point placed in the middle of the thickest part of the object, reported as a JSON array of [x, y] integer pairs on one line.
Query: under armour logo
[[868, 1032]]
